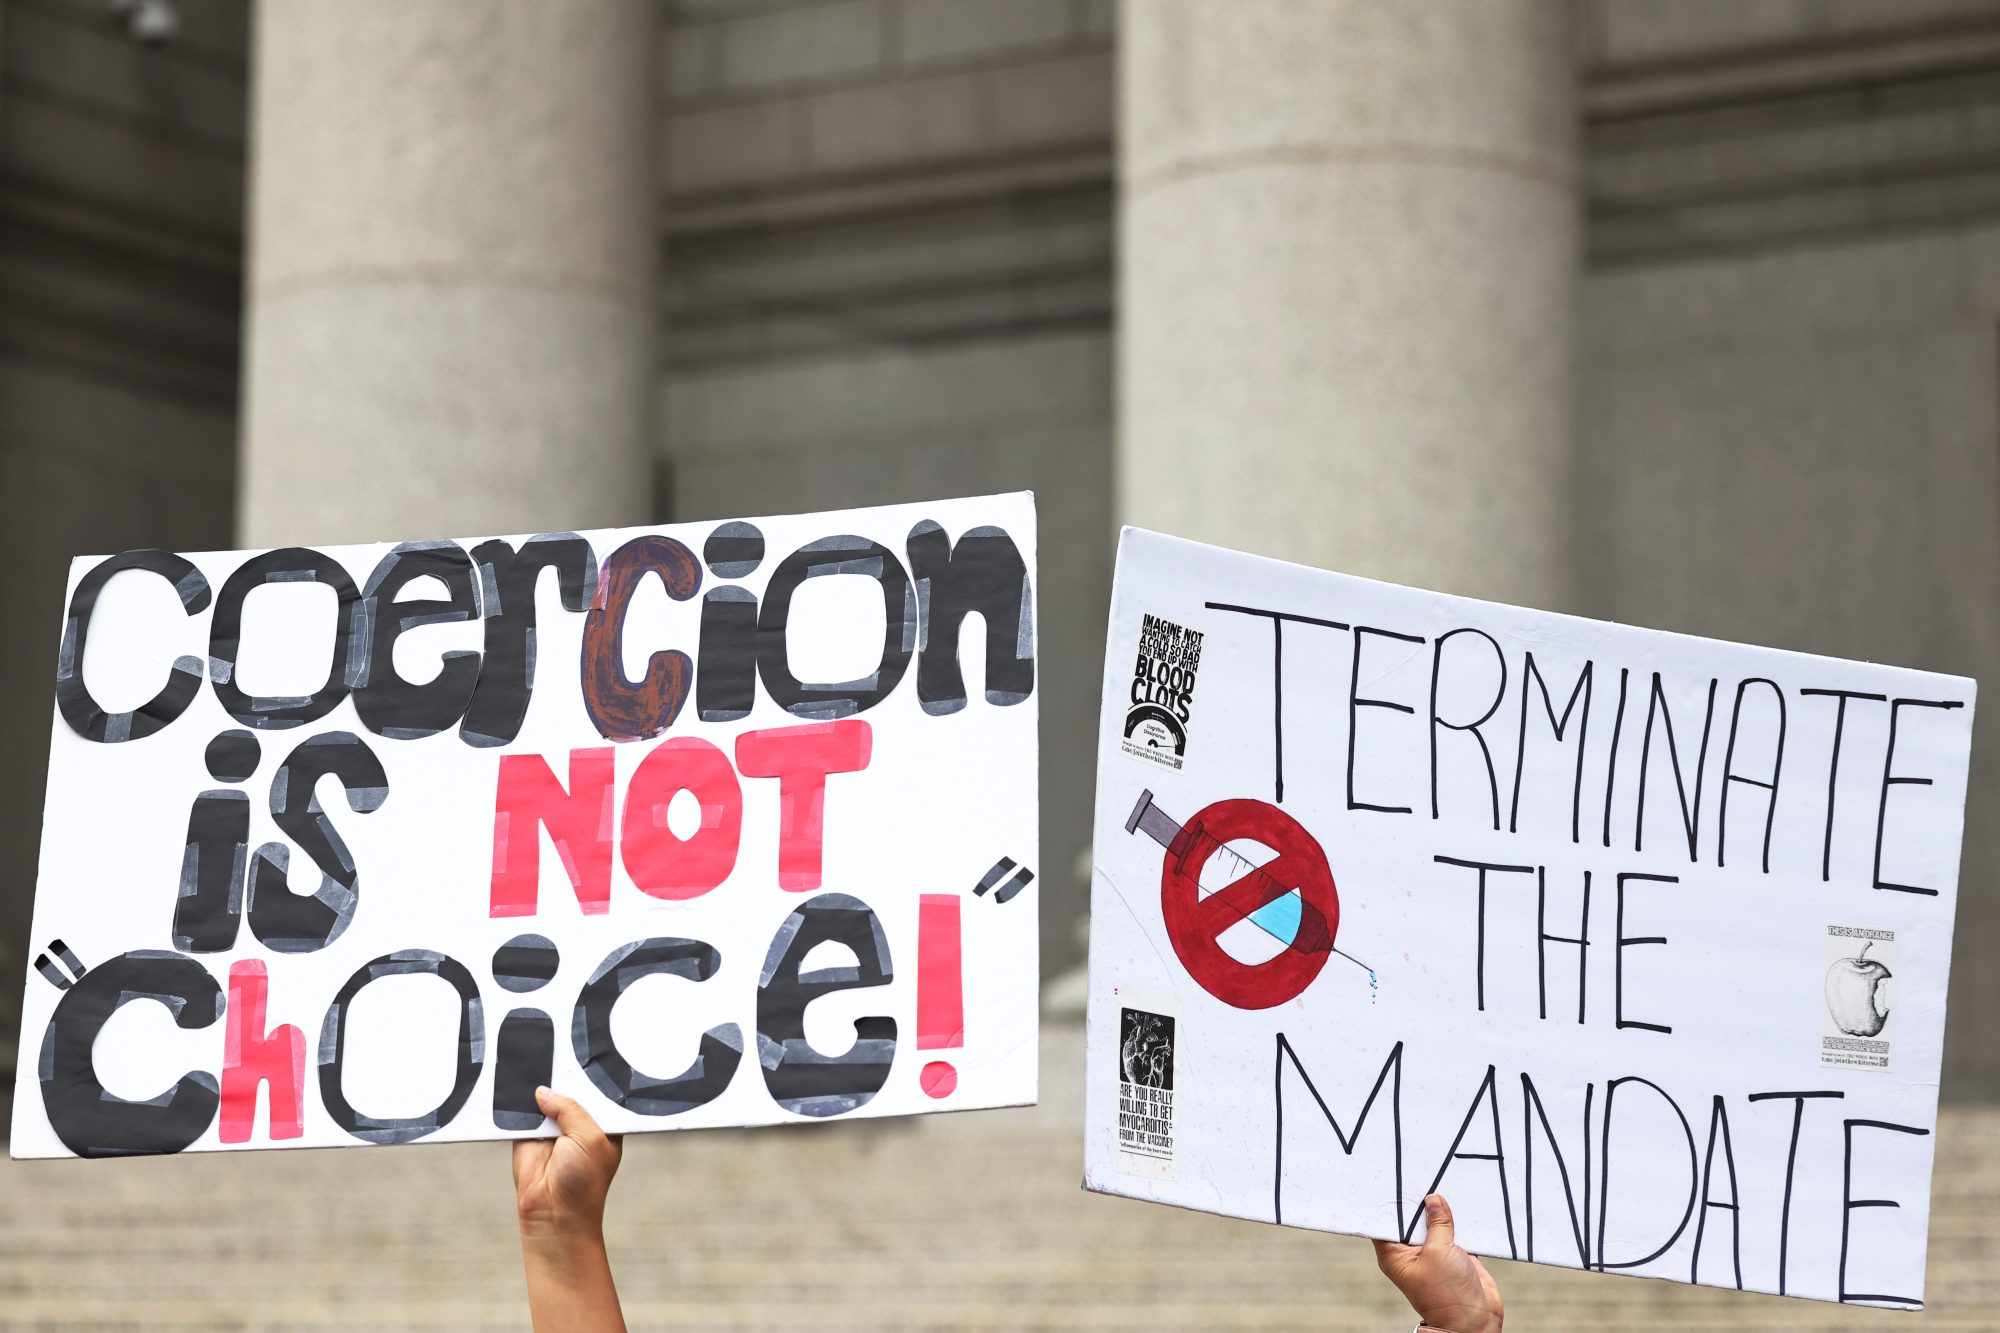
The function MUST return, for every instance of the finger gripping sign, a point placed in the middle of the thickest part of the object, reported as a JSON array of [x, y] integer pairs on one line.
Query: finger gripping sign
[[1636, 945], [358, 845]]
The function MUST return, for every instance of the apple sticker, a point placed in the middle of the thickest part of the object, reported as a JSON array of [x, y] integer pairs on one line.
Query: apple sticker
[[1857, 993]]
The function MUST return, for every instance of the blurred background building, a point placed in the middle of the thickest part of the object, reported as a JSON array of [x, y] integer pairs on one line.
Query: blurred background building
[[1679, 312]]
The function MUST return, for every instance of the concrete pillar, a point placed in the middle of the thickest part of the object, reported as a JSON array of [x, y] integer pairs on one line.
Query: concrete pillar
[[1348, 260], [451, 296]]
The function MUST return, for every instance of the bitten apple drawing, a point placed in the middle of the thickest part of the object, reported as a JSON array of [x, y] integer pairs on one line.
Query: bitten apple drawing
[[1858, 993]]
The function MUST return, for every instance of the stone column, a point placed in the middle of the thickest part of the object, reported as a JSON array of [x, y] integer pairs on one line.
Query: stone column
[[1348, 263], [451, 293]]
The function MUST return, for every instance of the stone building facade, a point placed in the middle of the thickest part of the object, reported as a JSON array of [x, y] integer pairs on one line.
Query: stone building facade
[[1681, 314]]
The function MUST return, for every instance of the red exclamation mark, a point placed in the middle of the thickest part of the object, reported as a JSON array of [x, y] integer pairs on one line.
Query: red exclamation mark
[[940, 989]]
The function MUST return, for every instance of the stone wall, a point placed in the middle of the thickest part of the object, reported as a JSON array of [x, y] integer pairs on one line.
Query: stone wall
[[1791, 366], [888, 277], [121, 204]]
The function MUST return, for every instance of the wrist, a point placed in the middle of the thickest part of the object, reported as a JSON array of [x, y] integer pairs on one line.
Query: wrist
[[570, 1287], [561, 1237], [1478, 1324]]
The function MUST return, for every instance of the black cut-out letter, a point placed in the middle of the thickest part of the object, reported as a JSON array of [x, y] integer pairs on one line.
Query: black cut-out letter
[[290, 922], [95, 1122], [210, 905], [715, 1061], [470, 1053], [527, 1060], [983, 572], [801, 1079], [389, 705], [291, 564], [725, 686], [86, 717], [844, 554], [507, 581]]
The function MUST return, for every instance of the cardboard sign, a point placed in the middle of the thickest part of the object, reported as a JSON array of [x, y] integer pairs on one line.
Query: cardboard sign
[[708, 824], [1632, 944]]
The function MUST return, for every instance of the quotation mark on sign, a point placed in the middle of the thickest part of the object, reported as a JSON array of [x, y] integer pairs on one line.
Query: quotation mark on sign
[[54, 975], [1023, 877]]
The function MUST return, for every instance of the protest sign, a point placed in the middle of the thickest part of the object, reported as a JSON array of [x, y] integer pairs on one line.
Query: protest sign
[[705, 824], [1633, 944]]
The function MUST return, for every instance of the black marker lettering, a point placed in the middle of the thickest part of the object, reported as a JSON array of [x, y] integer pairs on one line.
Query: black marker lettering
[[1530, 672], [1656, 706], [1277, 619], [1604, 1182], [1482, 867], [1618, 955], [1472, 727], [1890, 778], [1729, 773], [1355, 703], [1392, 1065], [1611, 760], [1531, 1102], [1718, 1126], [1798, 1101], [1498, 1157], [1833, 763], [1848, 1203], [1543, 940]]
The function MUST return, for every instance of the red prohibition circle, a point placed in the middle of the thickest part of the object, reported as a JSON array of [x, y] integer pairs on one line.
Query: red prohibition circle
[[1195, 923]]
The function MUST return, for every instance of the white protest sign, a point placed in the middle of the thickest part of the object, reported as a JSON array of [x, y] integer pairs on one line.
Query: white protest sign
[[1632, 944], [704, 824]]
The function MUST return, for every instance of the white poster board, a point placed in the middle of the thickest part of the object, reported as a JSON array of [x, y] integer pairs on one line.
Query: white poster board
[[703, 824], [1632, 944]]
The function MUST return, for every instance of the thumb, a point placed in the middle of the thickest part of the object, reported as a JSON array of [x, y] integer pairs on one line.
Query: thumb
[[1439, 1233], [569, 1115]]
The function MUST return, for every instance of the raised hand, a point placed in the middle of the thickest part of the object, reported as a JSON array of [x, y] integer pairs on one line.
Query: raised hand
[[560, 1186], [561, 1183], [1447, 1287]]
